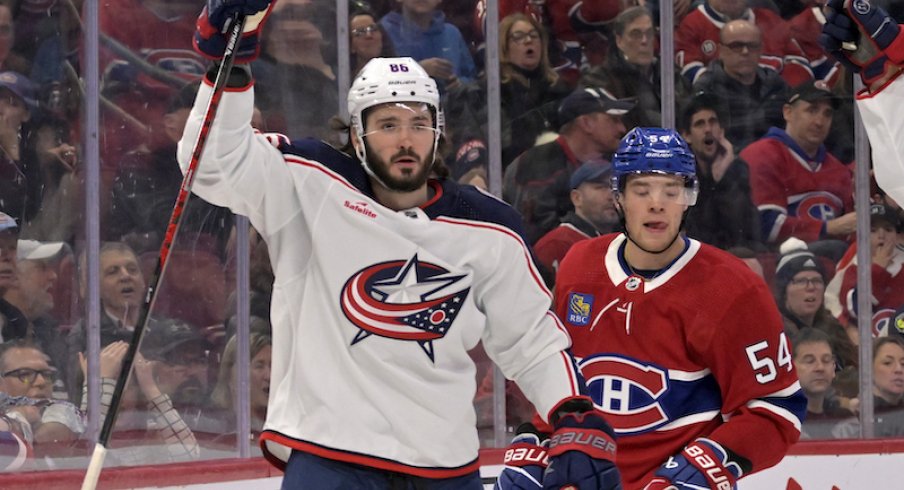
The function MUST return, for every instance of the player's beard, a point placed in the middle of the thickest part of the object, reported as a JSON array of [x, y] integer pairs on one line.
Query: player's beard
[[410, 181]]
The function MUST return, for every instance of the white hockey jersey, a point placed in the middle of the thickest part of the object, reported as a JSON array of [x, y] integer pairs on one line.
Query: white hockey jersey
[[374, 311], [885, 129]]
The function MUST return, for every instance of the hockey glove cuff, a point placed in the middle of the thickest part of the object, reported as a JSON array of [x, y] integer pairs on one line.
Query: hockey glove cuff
[[701, 464], [581, 449], [212, 28], [525, 460], [863, 38]]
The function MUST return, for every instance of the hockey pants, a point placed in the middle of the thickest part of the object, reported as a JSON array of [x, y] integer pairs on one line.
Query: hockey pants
[[306, 471]]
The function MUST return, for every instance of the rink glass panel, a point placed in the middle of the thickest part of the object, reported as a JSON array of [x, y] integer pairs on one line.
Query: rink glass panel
[[129, 171]]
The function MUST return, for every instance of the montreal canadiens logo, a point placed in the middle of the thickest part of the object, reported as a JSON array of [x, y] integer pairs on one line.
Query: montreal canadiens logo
[[406, 300], [819, 207], [627, 391]]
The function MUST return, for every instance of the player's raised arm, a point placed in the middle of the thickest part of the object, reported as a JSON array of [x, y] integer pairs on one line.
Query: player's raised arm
[[866, 39]]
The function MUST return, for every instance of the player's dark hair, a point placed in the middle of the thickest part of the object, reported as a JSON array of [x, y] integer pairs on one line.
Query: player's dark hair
[[700, 101]]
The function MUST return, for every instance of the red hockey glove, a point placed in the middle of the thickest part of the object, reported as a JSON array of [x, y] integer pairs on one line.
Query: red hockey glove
[[213, 25], [581, 450], [862, 37], [525, 460], [701, 464]]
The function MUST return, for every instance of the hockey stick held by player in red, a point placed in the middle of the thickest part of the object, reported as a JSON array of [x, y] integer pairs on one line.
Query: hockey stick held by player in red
[[236, 27]]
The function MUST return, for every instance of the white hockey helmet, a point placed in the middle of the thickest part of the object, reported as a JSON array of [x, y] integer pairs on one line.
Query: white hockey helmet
[[384, 80]]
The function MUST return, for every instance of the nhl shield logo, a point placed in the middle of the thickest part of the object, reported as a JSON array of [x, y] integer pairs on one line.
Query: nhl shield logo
[[633, 283], [579, 307]]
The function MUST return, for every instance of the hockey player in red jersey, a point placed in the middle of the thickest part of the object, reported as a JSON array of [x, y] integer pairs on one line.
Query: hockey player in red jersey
[[385, 279], [680, 343]]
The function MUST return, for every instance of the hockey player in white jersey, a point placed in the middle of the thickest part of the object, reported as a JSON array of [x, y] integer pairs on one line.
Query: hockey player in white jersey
[[385, 279], [867, 40]]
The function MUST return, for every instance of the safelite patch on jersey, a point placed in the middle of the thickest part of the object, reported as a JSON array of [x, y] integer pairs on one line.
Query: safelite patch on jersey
[[579, 307]]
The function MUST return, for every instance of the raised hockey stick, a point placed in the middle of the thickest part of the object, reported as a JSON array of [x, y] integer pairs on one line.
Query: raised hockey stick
[[100, 449]]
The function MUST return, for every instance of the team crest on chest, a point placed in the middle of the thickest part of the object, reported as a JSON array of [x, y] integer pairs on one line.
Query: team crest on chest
[[627, 391], [579, 307], [406, 300]]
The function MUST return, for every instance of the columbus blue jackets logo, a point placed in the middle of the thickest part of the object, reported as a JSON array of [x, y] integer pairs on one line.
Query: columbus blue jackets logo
[[579, 307], [406, 300]]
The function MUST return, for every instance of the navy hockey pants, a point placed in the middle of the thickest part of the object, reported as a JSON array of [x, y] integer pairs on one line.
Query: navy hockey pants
[[305, 471]]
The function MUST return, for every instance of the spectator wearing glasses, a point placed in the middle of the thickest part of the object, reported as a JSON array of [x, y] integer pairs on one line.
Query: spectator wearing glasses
[[26, 371], [530, 91], [368, 40], [800, 282], [632, 68], [698, 40], [38, 266], [753, 95]]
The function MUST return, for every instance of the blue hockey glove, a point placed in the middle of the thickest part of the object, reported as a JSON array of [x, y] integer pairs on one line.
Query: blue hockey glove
[[213, 26], [581, 450], [701, 464], [862, 37], [525, 460]]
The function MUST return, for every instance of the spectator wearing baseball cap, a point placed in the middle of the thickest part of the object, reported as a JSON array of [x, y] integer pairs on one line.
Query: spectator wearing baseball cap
[[13, 323], [800, 189], [886, 271], [33, 295], [537, 183], [17, 102], [593, 215]]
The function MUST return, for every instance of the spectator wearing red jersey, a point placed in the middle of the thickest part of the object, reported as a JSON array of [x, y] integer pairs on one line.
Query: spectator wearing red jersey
[[593, 215], [697, 40]]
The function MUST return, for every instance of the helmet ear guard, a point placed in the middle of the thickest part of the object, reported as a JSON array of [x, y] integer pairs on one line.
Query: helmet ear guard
[[655, 151]]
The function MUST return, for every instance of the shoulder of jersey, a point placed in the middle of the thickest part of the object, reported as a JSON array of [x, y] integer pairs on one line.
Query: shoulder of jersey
[[720, 263], [469, 202], [316, 150]]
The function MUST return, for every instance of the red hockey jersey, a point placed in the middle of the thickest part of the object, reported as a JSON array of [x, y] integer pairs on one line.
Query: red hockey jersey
[[796, 195], [698, 350], [697, 44]]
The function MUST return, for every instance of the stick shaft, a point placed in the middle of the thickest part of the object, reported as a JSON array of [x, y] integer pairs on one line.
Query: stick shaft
[[100, 450]]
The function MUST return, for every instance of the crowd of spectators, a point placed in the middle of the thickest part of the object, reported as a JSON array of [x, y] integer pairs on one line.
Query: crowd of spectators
[[764, 109]]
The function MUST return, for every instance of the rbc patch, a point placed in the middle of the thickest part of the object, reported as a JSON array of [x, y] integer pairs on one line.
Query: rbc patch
[[579, 307]]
